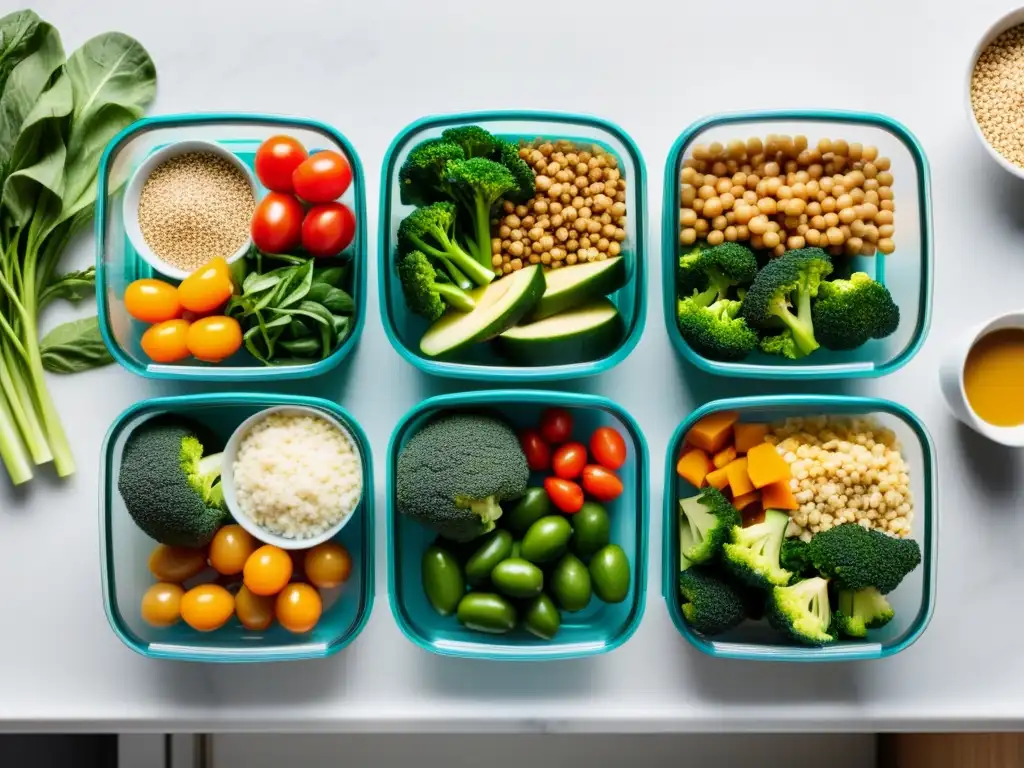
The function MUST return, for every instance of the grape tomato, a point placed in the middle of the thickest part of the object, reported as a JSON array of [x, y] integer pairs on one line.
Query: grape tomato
[[267, 571], [298, 608], [608, 447], [328, 565], [213, 339], [230, 549], [152, 301], [255, 612], [564, 494], [322, 177], [569, 460], [556, 425], [328, 229], [538, 452], [277, 223], [601, 483], [176, 564], [207, 607], [207, 288], [276, 161], [166, 342], [161, 604]]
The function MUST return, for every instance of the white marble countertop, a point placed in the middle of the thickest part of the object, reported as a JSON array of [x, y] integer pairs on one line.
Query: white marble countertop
[[652, 67]]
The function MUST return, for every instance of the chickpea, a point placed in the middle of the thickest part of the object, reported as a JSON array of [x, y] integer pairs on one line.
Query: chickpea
[[698, 205], [602, 245], [608, 230], [835, 237], [536, 247], [887, 205], [871, 234], [528, 222], [779, 249], [547, 242], [858, 228], [573, 245], [715, 237], [719, 222], [867, 250], [794, 242], [792, 222], [620, 234], [503, 231], [545, 258], [535, 233], [496, 245], [704, 193], [884, 216], [885, 179], [796, 206], [515, 235], [496, 260], [871, 196], [722, 186], [813, 237], [750, 197], [742, 232], [687, 196], [886, 231], [831, 219], [614, 249], [882, 164], [618, 209], [712, 207], [540, 206], [847, 215], [516, 249], [770, 239], [593, 226], [767, 206], [580, 225], [605, 218], [757, 241]]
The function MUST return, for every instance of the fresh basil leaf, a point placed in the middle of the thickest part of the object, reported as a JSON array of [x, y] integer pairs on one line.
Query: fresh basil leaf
[[330, 275], [74, 346], [256, 283], [72, 286], [338, 302], [249, 339], [303, 282], [313, 315], [307, 347]]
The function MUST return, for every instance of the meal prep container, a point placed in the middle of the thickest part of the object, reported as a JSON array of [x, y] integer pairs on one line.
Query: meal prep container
[[118, 263], [597, 629], [907, 272], [125, 550], [913, 601], [481, 363]]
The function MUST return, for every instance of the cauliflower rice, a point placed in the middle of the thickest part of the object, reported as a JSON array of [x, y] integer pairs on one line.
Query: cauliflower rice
[[297, 475]]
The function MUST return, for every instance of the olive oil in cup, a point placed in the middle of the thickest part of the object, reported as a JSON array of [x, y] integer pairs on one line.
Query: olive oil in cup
[[982, 378]]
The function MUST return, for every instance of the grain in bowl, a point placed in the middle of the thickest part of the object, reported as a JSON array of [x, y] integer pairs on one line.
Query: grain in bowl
[[296, 475]]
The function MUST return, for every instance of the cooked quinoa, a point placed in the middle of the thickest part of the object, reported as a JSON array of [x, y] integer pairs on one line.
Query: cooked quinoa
[[845, 470], [297, 475]]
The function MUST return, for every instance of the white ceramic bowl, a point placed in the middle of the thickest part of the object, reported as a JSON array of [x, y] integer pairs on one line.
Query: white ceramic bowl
[[130, 206], [1012, 19], [228, 482]]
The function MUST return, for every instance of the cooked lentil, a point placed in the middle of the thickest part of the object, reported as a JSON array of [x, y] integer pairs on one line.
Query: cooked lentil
[[195, 207], [578, 213], [783, 194], [997, 90], [845, 470]]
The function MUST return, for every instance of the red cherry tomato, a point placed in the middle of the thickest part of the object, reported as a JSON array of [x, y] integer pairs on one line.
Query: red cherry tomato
[[556, 425], [276, 161], [322, 177], [538, 453], [277, 223], [328, 229], [608, 448], [569, 461], [564, 494], [601, 483]]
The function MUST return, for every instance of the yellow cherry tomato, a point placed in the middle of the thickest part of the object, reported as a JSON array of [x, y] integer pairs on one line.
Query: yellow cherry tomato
[[298, 608], [267, 571], [256, 612], [207, 288], [166, 342], [152, 301], [161, 605], [176, 564], [207, 607], [230, 548], [213, 339], [328, 565]]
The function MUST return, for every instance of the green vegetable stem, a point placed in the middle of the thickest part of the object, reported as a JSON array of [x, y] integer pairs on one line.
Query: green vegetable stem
[[57, 115]]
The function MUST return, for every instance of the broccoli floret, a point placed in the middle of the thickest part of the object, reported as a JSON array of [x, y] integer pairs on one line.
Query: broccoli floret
[[474, 140], [431, 229], [782, 344], [753, 554], [712, 271], [454, 472], [170, 489], [525, 178], [425, 291], [421, 179], [861, 610], [855, 558], [786, 283], [795, 557], [705, 525], [715, 331], [709, 604], [478, 183], [802, 612], [849, 312]]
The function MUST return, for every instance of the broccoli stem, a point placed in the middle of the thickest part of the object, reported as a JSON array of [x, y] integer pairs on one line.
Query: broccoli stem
[[454, 255], [456, 274], [800, 324], [455, 296], [482, 224]]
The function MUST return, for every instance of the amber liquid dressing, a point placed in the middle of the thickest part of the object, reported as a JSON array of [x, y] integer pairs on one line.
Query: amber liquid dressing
[[994, 377]]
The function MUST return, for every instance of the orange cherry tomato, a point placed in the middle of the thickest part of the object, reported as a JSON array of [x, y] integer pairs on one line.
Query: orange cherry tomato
[[564, 494], [298, 608], [166, 342], [267, 571], [608, 447], [152, 301], [207, 607], [556, 425], [276, 160], [215, 338], [322, 177], [601, 483], [230, 548], [569, 461], [538, 452], [256, 612], [176, 564], [328, 565], [161, 604], [207, 288]]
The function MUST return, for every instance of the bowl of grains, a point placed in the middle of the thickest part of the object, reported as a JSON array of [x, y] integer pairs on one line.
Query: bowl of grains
[[995, 88], [292, 476], [187, 203]]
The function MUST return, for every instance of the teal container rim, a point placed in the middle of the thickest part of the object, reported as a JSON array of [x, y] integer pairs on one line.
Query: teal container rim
[[181, 402], [215, 373], [846, 652], [512, 373], [532, 396], [670, 248]]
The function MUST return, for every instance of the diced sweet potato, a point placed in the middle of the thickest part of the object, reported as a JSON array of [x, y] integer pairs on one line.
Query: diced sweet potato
[[713, 431], [693, 466], [718, 479], [739, 479], [724, 456], [778, 495], [746, 436], [744, 501], [765, 466]]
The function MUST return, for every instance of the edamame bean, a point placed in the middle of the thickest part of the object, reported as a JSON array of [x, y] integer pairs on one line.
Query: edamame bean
[[516, 577], [534, 505], [442, 580], [542, 618], [487, 612], [609, 573], [546, 539], [495, 547], [570, 584], [591, 529]]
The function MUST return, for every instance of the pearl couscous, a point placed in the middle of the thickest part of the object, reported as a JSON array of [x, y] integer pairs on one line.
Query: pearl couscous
[[845, 470], [997, 86]]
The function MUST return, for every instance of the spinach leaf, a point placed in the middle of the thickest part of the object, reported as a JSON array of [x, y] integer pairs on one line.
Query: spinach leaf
[[72, 286], [17, 32], [74, 346]]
